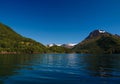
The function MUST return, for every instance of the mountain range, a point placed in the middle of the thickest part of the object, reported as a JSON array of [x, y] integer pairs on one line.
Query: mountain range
[[98, 41], [69, 45]]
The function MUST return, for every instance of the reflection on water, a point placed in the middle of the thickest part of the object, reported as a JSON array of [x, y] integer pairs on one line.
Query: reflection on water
[[103, 65], [8, 64], [59, 69]]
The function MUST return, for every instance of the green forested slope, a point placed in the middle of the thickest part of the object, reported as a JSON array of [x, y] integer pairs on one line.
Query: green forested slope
[[11, 42]]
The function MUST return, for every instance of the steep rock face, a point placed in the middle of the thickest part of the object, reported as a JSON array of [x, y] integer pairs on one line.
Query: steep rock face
[[12, 42], [99, 41], [97, 33]]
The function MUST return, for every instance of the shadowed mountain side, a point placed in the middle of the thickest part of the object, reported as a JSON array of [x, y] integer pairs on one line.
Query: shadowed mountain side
[[99, 41]]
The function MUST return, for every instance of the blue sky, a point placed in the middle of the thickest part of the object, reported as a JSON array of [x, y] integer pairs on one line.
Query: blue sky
[[60, 21]]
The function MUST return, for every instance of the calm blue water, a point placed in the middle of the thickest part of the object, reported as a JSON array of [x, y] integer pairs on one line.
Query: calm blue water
[[60, 69]]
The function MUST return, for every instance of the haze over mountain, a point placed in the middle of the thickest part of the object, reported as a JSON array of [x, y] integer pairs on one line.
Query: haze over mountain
[[99, 41], [69, 45]]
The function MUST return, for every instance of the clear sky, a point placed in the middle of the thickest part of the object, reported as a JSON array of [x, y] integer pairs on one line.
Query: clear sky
[[60, 21]]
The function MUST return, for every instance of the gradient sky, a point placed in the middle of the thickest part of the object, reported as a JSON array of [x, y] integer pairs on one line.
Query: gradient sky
[[60, 21]]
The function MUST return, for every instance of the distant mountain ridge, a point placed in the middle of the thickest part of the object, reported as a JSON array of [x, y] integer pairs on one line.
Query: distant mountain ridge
[[99, 41], [69, 45]]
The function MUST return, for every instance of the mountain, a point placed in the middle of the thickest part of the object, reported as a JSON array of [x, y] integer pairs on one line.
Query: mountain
[[69, 45], [99, 41], [60, 48], [12, 42]]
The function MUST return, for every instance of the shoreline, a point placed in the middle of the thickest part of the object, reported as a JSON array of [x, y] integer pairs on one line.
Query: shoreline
[[18, 53]]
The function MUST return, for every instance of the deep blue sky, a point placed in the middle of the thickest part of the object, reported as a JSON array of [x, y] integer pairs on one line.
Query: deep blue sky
[[60, 21]]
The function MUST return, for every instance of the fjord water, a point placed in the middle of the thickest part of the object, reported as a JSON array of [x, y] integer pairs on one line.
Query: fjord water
[[60, 69]]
